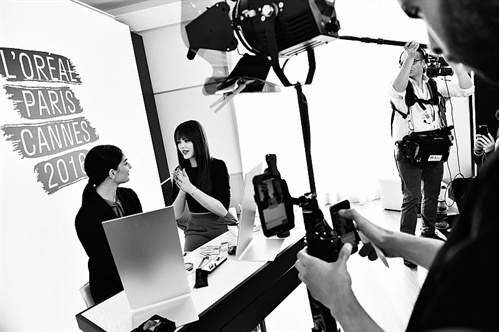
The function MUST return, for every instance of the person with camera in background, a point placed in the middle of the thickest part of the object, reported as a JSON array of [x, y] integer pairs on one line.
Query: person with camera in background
[[418, 105], [461, 283]]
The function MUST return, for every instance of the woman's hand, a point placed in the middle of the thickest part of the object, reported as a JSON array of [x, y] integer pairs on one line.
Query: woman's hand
[[182, 181]]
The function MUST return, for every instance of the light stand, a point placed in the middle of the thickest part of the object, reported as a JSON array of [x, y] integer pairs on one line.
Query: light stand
[[319, 236]]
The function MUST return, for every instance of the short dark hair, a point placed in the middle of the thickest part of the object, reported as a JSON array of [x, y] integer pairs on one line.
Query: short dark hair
[[98, 161]]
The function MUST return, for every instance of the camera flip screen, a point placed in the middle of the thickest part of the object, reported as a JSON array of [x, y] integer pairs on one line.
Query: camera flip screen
[[272, 204]]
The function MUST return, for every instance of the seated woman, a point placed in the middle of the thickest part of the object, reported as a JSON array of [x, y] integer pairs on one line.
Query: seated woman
[[106, 167], [203, 183]]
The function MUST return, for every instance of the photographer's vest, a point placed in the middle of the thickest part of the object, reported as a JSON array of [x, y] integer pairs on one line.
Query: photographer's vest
[[411, 99]]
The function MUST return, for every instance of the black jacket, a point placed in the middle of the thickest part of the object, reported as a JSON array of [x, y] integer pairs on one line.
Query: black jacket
[[104, 279], [461, 286]]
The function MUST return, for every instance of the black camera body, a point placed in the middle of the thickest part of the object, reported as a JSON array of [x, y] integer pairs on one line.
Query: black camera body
[[324, 243], [275, 206], [437, 66], [344, 227]]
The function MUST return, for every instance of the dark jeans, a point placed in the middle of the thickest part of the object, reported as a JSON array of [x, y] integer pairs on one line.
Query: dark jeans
[[416, 178]]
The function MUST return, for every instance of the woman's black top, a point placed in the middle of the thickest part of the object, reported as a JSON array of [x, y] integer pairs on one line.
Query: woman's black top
[[104, 278], [220, 182]]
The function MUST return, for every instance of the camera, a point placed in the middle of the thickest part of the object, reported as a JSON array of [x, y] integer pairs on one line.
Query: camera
[[275, 205], [343, 226], [437, 66]]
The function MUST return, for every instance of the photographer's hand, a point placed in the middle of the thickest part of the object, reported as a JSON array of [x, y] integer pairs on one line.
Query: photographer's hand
[[421, 251], [463, 78], [325, 280], [368, 231], [411, 49], [331, 284]]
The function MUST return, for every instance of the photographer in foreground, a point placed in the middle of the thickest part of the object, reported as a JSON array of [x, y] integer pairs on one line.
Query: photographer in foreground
[[418, 104], [460, 287], [483, 151]]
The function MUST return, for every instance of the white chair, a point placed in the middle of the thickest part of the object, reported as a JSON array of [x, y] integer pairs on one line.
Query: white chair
[[87, 296]]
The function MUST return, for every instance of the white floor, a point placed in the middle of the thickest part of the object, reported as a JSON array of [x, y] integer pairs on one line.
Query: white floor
[[293, 314], [387, 294]]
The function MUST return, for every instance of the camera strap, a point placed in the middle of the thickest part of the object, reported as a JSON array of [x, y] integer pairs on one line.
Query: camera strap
[[410, 99]]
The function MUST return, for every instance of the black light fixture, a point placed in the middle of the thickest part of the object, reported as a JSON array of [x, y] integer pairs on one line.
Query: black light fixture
[[269, 30]]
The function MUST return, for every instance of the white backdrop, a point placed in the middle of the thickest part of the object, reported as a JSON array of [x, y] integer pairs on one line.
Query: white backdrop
[[42, 261], [348, 106]]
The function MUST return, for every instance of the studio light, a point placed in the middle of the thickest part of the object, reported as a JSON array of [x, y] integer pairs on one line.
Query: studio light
[[269, 29]]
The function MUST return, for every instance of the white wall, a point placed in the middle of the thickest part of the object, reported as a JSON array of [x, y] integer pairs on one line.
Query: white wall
[[347, 97], [178, 87], [348, 103], [42, 261]]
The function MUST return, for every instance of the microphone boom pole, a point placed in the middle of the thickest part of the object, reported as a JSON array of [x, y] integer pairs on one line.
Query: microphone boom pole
[[378, 41]]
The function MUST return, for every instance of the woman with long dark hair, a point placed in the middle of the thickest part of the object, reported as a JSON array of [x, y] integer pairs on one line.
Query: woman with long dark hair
[[202, 183], [107, 168]]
